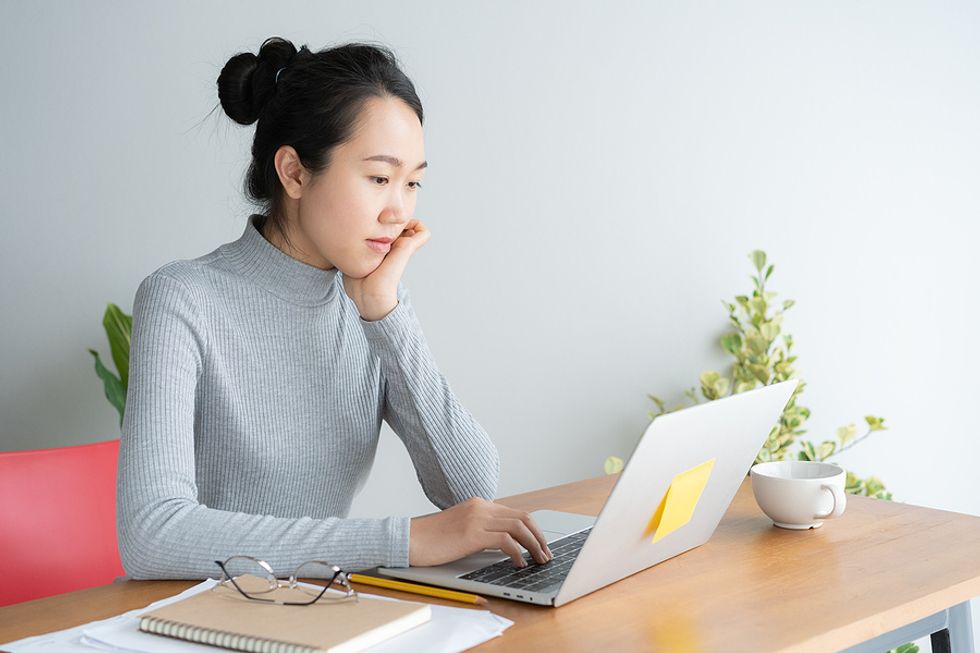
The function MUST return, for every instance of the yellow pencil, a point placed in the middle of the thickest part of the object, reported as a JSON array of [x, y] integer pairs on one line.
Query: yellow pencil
[[417, 589]]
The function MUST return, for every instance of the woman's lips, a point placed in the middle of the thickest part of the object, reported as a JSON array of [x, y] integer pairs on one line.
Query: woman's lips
[[379, 246]]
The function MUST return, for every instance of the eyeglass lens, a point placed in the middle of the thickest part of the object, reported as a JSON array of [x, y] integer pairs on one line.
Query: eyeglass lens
[[254, 579]]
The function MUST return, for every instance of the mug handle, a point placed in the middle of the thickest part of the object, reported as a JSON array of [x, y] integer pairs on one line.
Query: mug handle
[[840, 502]]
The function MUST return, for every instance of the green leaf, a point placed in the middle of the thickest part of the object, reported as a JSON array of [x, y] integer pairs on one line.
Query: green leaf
[[114, 390], [721, 387], [118, 328], [711, 385], [732, 343], [826, 449], [768, 272], [756, 342], [759, 259], [847, 433], [659, 402], [788, 303], [875, 423], [806, 451], [874, 485], [761, 372], [613, 465], [769, 331]]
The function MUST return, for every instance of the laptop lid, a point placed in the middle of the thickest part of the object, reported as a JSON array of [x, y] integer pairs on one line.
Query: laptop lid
[[676, 486], [670, 497]]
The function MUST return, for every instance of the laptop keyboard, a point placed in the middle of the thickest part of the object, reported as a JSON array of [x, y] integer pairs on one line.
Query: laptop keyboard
[[535, 577]]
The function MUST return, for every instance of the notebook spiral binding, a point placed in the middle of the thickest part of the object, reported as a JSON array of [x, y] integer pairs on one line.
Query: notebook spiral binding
[[220, 638]]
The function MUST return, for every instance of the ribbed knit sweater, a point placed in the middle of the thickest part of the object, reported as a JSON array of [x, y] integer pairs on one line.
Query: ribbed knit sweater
[[254, 406]]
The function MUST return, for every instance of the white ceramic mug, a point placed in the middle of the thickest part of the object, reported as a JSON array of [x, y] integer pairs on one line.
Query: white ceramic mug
[[799, 494]]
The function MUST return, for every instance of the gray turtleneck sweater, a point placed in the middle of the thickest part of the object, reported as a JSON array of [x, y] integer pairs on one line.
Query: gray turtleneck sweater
[[255, 400]]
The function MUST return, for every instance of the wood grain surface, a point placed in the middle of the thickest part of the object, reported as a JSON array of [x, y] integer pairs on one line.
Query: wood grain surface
[[751, 587]]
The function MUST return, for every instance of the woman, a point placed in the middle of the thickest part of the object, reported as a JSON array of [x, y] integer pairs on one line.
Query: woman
[[260, 372]]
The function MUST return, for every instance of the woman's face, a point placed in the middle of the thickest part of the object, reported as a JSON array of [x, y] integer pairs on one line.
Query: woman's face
[[368, 191]]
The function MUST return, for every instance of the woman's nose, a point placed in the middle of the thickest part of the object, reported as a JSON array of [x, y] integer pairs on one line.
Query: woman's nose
[[395, 212]]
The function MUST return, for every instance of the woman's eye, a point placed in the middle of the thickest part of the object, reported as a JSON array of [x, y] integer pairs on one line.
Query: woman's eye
[[384, 180]]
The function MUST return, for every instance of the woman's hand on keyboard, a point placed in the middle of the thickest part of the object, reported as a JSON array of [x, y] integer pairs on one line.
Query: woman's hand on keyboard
[[472, 526]]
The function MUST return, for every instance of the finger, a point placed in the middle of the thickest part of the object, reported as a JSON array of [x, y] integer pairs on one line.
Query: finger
[[532, 526], [506, 543], [411, 240], [415, 228], [412, 222], [520, 532], [414, 234]]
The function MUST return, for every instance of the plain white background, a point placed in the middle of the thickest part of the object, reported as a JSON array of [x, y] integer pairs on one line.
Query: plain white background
[[598, 176]]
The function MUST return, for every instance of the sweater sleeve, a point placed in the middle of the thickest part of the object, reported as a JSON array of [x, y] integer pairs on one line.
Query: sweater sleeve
[[453, 455], [163, 531]]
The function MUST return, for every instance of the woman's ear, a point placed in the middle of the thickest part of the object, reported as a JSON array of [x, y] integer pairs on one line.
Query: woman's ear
[[292, 175]]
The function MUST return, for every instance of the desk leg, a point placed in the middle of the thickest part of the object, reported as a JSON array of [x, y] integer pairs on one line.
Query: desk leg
[[951, 631], [957, 636]]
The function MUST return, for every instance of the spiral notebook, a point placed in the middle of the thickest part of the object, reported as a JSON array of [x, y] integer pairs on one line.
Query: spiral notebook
[[230, 621]]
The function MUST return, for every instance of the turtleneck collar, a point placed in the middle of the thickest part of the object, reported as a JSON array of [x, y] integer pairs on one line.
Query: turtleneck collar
[[263, 263]]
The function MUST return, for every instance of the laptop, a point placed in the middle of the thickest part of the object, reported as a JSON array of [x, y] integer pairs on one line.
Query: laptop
[[668, 499]]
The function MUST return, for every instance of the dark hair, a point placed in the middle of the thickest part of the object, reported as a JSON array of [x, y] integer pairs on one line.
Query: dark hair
[[313, 107]]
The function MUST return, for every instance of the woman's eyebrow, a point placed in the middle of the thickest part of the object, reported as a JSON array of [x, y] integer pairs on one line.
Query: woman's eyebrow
[[395, 161]]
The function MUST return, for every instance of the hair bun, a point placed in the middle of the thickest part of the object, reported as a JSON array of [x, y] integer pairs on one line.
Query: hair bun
[[248, 81]]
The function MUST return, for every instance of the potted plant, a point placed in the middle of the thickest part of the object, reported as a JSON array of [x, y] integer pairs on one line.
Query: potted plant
[[763, 356], [118, 327]]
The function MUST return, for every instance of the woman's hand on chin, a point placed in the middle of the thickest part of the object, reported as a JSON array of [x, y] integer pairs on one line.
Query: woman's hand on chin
[[376, 295]]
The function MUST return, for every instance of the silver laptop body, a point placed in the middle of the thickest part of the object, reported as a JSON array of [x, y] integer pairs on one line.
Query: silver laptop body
[[592, 552]]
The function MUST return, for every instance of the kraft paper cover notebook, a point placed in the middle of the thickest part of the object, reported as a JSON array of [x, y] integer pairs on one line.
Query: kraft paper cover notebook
[[226, 619]]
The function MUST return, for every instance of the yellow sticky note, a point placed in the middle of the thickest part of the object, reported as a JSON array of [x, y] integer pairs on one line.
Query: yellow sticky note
[[677, 506]]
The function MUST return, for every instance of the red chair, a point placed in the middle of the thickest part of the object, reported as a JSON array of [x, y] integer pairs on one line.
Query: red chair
[[58, 520]]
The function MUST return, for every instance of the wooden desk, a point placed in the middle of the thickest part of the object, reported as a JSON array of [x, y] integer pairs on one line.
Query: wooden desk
[[752, 587]]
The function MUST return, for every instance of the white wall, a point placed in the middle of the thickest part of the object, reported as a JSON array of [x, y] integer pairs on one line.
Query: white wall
[[598, 176]]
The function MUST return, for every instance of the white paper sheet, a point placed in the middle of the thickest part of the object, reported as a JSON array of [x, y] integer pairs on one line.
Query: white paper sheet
[[450, 630]]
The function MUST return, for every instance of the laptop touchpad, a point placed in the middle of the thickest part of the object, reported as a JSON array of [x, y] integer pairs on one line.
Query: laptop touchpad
[[556, 524]]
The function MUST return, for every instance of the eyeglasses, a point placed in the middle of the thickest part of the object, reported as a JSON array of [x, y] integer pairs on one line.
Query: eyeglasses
[[254, 579]]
